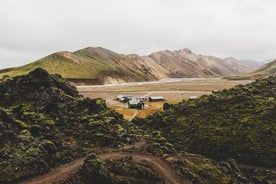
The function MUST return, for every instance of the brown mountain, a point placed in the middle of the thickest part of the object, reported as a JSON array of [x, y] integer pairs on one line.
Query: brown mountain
[[184, 63], [97, 65]]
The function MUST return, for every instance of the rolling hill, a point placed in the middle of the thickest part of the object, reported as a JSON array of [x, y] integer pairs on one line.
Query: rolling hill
[[268, 69], [97, 65]]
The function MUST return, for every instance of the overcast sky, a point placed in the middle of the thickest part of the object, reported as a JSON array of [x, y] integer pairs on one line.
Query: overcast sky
[[31, 29]]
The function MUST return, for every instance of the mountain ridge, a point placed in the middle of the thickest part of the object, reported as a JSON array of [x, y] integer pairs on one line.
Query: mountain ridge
[[103, 66]]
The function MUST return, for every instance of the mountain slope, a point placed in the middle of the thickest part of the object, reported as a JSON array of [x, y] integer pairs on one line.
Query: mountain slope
[[184, 63], [264, 71], [252, 64], [101, 66], [98, 64]]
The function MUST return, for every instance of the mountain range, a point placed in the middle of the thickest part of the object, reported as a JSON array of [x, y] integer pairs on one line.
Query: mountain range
[[96, 65]]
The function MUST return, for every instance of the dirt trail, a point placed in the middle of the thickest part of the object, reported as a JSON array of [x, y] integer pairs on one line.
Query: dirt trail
[[58, 174], [61, 173], [134, 115], [165, 171]]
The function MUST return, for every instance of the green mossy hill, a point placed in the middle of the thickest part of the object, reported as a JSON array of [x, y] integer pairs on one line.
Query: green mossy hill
[[239, 123], [44, 122], [88, 65], [38, 87]]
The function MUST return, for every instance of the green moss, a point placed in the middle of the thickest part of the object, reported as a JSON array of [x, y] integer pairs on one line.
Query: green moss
[[21, 124], [93, 123], [90, 156], [120, 128], [100, 101], [25, 133], [98, 134], [49, 122], [35, 127], [110, 120], [96, 163]]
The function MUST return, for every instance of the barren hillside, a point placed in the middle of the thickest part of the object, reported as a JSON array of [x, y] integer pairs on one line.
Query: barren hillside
[[96, 65]]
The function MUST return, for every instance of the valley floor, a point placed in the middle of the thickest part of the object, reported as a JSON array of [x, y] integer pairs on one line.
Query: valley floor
[[173, 90]]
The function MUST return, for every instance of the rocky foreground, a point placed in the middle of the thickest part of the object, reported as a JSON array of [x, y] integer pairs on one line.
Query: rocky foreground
[[45, 123]]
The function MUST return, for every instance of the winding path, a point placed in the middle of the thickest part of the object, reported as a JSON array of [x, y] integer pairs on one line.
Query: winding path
[[56, 175], [61, 173], [165, 171]]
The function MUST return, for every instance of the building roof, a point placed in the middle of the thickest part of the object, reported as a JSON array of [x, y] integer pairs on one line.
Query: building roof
[[193, 97], [156, 97], [120, 96], [134, 101]]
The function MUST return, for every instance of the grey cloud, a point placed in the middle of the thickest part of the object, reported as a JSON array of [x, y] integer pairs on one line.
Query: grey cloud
[[32, 29]]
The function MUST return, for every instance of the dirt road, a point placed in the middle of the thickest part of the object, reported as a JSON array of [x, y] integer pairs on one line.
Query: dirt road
[[58, 174], [165, 171], [61, 173]]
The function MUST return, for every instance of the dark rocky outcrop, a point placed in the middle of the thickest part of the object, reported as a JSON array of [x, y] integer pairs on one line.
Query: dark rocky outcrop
[[45, 122]]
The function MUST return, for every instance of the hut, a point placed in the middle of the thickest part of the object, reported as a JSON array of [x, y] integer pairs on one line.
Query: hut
[[215, 91], [136, 104], [156, 98], [193, 97], [123, 98]]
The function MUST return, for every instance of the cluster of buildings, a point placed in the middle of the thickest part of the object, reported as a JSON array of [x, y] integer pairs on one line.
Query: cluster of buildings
[[138, 102]]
